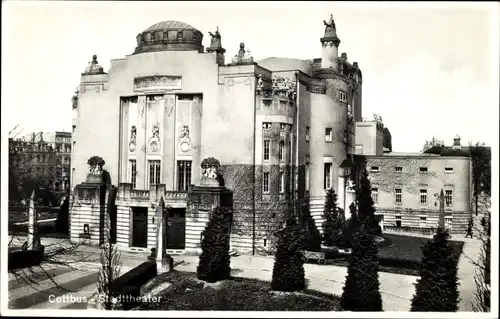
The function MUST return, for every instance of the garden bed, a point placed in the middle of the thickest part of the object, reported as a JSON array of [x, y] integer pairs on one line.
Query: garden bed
[[236, 294]]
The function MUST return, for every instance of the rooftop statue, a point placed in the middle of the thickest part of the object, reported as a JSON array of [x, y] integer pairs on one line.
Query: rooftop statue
[[93, 67], [216, 39], [330, 27], [330, 23]]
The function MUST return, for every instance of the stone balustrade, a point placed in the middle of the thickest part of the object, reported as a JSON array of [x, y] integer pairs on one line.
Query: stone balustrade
[[175, 195]]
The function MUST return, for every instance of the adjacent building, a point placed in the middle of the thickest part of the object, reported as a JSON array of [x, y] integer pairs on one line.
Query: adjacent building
[[46, 155], [406, 186]]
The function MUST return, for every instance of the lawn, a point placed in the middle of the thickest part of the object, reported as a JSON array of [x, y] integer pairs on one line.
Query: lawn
[[400, 254], [236, 294]]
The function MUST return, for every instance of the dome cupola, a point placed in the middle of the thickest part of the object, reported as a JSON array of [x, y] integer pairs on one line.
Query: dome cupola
[[169, 36]]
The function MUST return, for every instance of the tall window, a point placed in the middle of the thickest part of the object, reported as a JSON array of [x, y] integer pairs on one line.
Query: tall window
[[267, 145], [423, 197], [265, 182], [375, 195], [183, 175], [448, 197], [133, 173], [307, 133], [282, 182], [282, 151], [328, 134], [154, 172], [399, 195], [328, 176]]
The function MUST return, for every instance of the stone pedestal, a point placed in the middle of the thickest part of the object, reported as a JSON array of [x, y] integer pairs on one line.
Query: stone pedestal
[[88, 213], [201, 200]]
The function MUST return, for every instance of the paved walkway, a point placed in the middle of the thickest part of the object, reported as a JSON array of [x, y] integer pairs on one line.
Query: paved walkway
[[466, 269], [397, 290]]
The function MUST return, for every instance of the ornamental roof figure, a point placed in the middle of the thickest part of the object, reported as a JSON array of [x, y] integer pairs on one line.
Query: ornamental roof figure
[[93, 67], [330, 29], [215, 42]]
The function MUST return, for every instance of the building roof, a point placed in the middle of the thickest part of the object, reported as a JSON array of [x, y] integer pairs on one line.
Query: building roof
[[170, 24], [276, 64], [169, 36]]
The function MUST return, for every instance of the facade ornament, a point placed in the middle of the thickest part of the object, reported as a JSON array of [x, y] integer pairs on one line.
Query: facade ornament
[[350, 115], [154, 142], [210, 168], [133, 138], [74, 99], [284, 86], [184, 139], [260, 84], [95, 165], [93, 67]]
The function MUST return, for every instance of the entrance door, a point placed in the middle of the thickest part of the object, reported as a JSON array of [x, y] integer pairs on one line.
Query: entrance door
[[140, 227], [176, 228]]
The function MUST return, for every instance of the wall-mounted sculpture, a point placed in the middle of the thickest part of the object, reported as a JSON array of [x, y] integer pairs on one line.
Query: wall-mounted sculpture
[[133, 138], [184, 140], [154, 141]]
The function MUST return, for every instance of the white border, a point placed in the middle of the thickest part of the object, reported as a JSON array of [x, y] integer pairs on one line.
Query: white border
[[493, 6]]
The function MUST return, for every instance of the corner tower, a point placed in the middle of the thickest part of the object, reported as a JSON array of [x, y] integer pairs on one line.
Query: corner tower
[[330, 43]]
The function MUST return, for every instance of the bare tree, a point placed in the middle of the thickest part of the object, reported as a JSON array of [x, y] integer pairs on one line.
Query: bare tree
[[110, 259], [431, 143], [23, 181], [482, 273]]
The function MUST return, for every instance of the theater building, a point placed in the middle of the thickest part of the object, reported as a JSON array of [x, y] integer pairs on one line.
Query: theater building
[[279, 127]]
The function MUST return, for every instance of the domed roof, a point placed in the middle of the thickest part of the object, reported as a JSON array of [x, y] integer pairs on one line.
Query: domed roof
[[170, 24], [169, 36]]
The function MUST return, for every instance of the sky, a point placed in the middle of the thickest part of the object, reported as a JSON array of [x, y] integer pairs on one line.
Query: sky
[[429, 69]]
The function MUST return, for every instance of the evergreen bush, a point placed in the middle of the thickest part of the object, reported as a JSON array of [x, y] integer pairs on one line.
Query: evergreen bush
[[437, 288], [214, 262], [288, 270], [361, 289], [312, 234], [366, 207], [334, 223]]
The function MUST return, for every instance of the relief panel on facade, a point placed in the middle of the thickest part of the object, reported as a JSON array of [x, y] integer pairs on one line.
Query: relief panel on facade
[[131, 129], [155, 105], [185, 140], [158, 82], [184, 113]]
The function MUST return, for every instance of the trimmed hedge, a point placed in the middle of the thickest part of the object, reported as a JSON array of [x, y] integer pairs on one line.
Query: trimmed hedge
[[25, 258], [129, 284]]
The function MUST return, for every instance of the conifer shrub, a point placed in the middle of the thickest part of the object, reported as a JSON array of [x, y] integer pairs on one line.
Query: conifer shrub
[[214, 262], [311, 232], [437, 288], [288, 270], [334, 223], [361, 290]]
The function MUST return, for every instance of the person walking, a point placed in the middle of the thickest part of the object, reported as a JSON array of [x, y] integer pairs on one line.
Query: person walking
[[469, 230]]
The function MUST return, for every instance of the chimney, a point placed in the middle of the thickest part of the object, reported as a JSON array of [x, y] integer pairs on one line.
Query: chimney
[[456, 142]]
